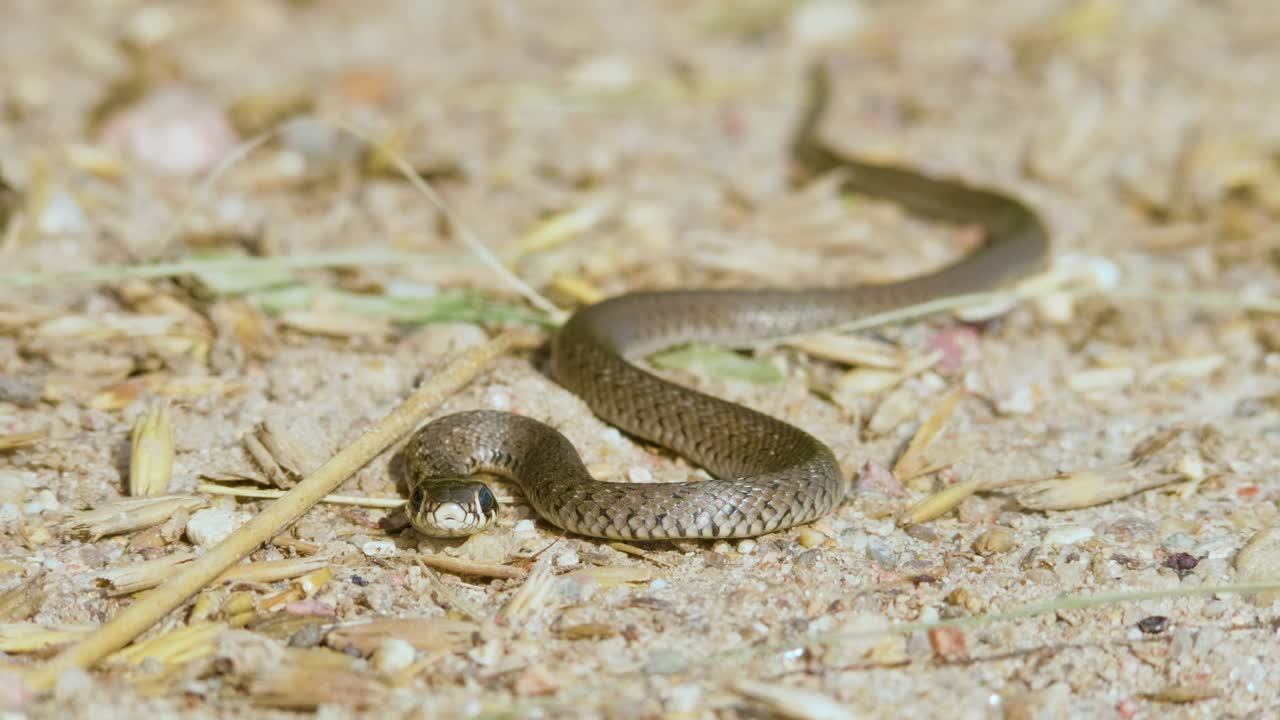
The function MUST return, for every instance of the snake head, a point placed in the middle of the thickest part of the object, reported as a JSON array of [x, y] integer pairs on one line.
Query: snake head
[[451, 507]]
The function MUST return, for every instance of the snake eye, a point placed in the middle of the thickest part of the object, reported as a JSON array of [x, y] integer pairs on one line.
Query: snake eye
[[417, 497], [488, 503]]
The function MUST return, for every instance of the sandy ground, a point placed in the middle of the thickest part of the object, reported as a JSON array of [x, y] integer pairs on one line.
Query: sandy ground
[[619, 146]]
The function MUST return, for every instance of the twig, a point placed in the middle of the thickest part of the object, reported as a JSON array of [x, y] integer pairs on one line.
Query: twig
[[250, 492], [146, 611]]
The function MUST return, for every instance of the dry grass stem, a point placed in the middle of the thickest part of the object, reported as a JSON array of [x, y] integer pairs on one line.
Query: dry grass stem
[[939, 503], [30, 637], [459, 566], [13, 441], [178, 646], [125, 516]]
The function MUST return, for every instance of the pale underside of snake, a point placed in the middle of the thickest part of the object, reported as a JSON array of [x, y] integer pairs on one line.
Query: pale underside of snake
[[768, 475]]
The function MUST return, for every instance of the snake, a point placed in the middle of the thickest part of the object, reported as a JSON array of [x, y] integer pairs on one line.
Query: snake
[[767, 474]]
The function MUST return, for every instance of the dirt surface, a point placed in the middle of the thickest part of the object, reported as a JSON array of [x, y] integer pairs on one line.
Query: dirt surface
[[605, 147]]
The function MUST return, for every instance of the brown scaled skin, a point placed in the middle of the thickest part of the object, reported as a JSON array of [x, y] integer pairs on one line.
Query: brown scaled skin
[[770, 475]]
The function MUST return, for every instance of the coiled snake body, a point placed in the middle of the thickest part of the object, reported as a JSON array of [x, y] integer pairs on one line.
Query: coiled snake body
[[769, 474]]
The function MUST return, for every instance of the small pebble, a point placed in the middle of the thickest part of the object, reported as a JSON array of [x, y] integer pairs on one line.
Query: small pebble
[[639, 475], [876, 479], [825, 22], [211, 526], [1179, 541], [44, 500], [994, 541], [61, 216], [1259, 561], [72, 684], [1068, 535], [810, 538], [1181, 563], [1132, 529], [666, 662], [810, 559], [393, 655], [746, 547], [1153, 625], [18, 391], [173, 130], [524, 527], [1021, 401], [379, 548], [948, 643], [880, 553], [568, 558]]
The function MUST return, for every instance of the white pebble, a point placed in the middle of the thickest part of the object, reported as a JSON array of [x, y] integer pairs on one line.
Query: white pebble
[[747, 547], [62, 215], [824, 22], [44, 500], [174, 130], [9, 512], [611, 73], [1068, 535], [568, 558], [523, 527], [639, 475], [379, 549], [212, 525], [14, 484], [393, 655], [657, 584], [1022, 401]]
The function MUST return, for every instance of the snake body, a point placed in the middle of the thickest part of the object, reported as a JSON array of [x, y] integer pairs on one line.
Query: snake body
[[769, 475]]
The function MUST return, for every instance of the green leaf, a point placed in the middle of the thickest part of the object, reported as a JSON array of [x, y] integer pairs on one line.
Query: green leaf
[[718, 362]]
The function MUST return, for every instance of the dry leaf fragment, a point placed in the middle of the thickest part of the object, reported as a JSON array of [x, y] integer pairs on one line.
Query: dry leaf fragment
[[1085, 489], [530, 597], [912, 463], [425, 634]]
